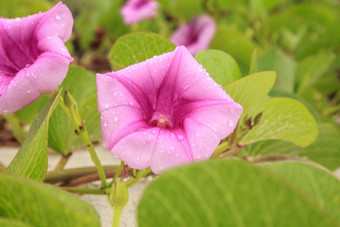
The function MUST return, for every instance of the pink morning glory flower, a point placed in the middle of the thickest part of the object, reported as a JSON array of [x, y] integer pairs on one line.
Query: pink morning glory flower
[[196, 35], [135, 11], [33, 57], [164, 112]]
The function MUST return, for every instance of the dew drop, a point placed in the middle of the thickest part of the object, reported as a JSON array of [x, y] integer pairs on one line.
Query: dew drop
[[114, 93], [115, 119], [171, 148], [106, 106], [57, 17], [197, 134], [27, 65], [5, 111], [231, 123], [131, 103], [105, 124], [28, 91], [180, 137], [232, 110]]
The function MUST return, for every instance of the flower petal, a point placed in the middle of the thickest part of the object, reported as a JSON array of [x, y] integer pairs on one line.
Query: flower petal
[[135, 11], [136, 148], [48, 71], [202, 139], [19, 93], [169, 151], [111, 92], [119, 121]]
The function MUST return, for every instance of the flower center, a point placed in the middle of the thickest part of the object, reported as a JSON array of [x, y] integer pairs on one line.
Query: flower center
[[159, 120]]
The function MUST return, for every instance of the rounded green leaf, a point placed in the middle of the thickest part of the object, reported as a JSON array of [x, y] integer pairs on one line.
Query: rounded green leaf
[[37, 204], [137, 47], [322, 186], [227, 193], [250, 90], [284, 119], [31, 159], [221, 66]]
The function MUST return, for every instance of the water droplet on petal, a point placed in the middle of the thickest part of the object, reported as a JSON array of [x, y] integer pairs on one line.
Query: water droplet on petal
[[28, 91], [106, 106], [171, 148], [114, 93], [27, 65], [131, 103], [115, 119], [57, 17], [180, 137], [231, 123], [232, 110]]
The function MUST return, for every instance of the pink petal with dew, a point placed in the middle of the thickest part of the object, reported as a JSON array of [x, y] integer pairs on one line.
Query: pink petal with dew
[[202, 139], [48, 71], [169, 151], [111, 92], [136, 149], [20, 92], [119, 121]]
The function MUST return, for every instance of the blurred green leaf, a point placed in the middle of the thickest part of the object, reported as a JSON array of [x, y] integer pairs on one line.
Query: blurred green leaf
[[27, 114], [221, 66], [137, 47], [82, 85], [37, 204], [285, 119], [22, 8], [310, 70], [315, 182], [325, 150], [236, 44], [275, 59], [207, 191], [31, 159], [250, 90], [183, 9]]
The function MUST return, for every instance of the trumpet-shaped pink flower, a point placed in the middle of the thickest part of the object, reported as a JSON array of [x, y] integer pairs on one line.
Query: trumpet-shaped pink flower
[[135, 11], [164, 112], [195, 35], [33, 57]]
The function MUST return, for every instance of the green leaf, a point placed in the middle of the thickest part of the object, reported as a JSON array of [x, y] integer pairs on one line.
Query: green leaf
[[31, 159], [82, 85], [253, 62], [325, 150], [203, 193], [275, 59], [137, 47], [221, 66], [27, 114], [22, 8], [322, 186], [285, 119], [236, 44], [37, 204], [310, 70], [250, 90], [183, 9], [12, 223]]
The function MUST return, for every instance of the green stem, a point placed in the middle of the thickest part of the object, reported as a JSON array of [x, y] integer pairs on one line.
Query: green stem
[[220, 149], [231, 152], [116, 217], [139, 176], [118, 172], [81, 130], [81, 191], [17, 130], [62, 162]]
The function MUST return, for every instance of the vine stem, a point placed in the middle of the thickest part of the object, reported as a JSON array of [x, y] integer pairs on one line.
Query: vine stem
[[116, 217], [220, 149], [62, 162], [139, 176], [82, 132], [17, 130], [231, 152], [81, 191], [118, 172]]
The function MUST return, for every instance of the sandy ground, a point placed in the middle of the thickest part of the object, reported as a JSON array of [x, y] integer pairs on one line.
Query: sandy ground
[[82, 159]]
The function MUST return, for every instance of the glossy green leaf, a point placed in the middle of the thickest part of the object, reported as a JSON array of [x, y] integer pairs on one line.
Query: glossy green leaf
[[82, 85], [31, 159], [221, 66], [325, 150], [322, 186], [235, 43], [285, 119], [227, 193], [250, 90], [37, 204], [183, 9], [275, 59], [137, 47]]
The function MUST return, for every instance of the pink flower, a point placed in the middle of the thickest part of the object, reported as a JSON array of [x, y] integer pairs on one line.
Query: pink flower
[[195, 35], [33, 57], [135, 11], [164, 111]]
